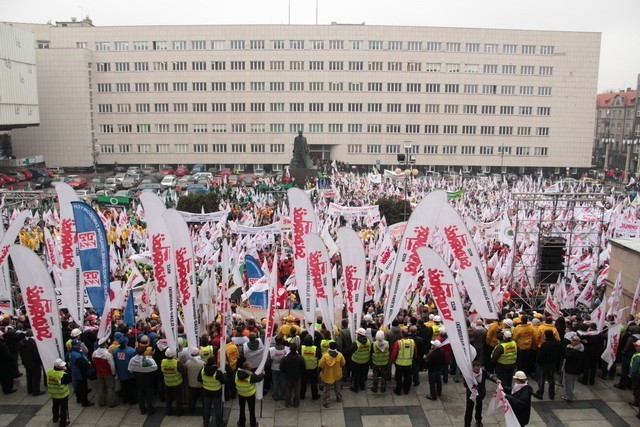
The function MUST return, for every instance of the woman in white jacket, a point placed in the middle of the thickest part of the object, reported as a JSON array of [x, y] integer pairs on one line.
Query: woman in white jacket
[[143, 368]]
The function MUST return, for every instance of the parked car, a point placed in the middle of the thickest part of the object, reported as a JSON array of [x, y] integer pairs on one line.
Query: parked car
[[148, 169], [182, 183], [167, 170], [8, 179], [152, 187], [98, 183], [197, 188], [119, 169], [258, 171], [198, 175], [120, 177], [169, 181], [17, 175], [182, 170], [37, 173], [149, 180], [59, 180], [42, 182], [134, 170], [197, 168], [26, 172], [130, 181], [55, 170], [78, 182]]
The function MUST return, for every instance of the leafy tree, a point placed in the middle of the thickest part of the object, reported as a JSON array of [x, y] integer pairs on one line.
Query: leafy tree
[[393, 210], [194, 203]]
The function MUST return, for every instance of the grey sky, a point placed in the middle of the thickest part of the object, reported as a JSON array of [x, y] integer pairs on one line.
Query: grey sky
[[616, 19]]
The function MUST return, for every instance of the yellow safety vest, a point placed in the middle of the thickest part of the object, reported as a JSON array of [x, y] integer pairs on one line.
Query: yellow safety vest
[[57, 390], [380, 358], [210, 383], [362, 353], [245, 387], [632, 358], [172, 377], [206, 351], [324, 345], [436, 329], [405, 352], [509, 353], [309, 356]]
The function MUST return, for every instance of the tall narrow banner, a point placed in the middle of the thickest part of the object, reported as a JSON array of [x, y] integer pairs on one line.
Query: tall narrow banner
[[319, 275], [447, 298], [499, 400], [255, 273], [635, 303], [185, 272], [94, 254], [40, 301], [163, 266], [416, 234], [303, 222], [53, 255], [271, 317], [470, 268], [7, 239], [614, 298], [354, 273], [70, 271], [223, 306], [613, 344]]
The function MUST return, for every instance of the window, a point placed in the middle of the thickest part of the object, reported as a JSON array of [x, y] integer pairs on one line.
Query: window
[[162, 128], [316, 65], [104, 108], [179, 65], [335, 128], [237, 44], [486, 150], [180, 86], [140, 87], [374, 148], [100, 46], [296, 44], [182, 148], [106, 148], [354, 107], [199, 107], [394, 87], [432, 108], [417, 46], [394, 66], [374, 87], [546, 71], [160, 66], [542, 131], [468, 88], [487, 130], [316, 86], [200, 128], [412, 108], [355, 86], [544, 111], [258, 148], [238, 107], [198, 44], [296, 127], [179, 45], [335, 86], [276, 106], [433, 67], [316, 128], [121, 45], [375, 66], [526, 90], [506, 109], [450, 109], [144, 148], [490, 69], [336, 44], [140, 45], [296, 86], [106, 128], [105, 66], [510, 48], [472, 68], [449, 149], [468, 149], [123, 87], [450, 129], [335, 107], [490, 89], [199, 65], [430, 149], [237, 86], [276, 148], [374, 128], [296, 65], [528, 49], [237, 65], [412, 128], [257, 107], [141, 66], [522, 151], [256, 44], [507, 90], [431, 129], [508, 69], [451, 88], [277, 44], [125, 128], [354, 148], [355, 44], [181, 128], [541, 151], [473, 47], [219, 128], [544, 91], [453, 47], [162, 108], [296, 106], [356, 65], [142, 108], [276, 86], [488, 109], [546, 50], [238, 128], [317, 44], [395, 45], [526, 111], [375, 44], [505, 130], [414, 87], [219, 148], [490, 48], [159, 45], [524, 131], [124, 108], [124, 148], [527, 70], [277, 128], [217, 66], [468, 130], [257, 86], [453, 68], [161, 87], [470, 109], [414, 66], [394, 108], [393, 148], [432, 87], [199, 86], [354, 128], [393, 129]]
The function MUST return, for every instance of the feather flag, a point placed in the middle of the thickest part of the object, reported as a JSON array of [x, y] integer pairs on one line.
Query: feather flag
[[354, 274]]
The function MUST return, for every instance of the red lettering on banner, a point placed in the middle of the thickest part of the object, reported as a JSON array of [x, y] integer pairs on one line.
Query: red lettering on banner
[[87, 240], [183, 265], [300, 229], [458, 243], [91, 278], [67, 239], [615, 343], [412, 244], [317, 269], [159, 254], [352, 283], [441, 292], [385, 255], [3, 253], [38, 310]]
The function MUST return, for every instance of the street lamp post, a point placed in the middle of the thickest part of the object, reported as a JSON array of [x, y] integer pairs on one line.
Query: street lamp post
[[94, 155], [631, 142], [407, 152]]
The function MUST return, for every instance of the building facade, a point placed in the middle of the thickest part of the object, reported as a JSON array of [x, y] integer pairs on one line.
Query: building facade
[[237, 95]]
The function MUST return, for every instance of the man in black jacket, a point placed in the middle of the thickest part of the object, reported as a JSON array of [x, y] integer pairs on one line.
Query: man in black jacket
[[548, 360], [481, 375], [519, 398], [594, 344], [292, 368], [32, 364], [6, 359], [435, 362]]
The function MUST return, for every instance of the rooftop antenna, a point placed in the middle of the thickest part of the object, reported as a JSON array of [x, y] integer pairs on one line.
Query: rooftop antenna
[[316, 12]]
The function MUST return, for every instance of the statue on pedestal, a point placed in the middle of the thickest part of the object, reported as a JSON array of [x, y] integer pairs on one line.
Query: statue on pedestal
[[301, 158]]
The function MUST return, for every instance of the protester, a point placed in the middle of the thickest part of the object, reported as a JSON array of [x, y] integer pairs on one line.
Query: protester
[[245, 385], [331, 365], [172, 374], [144, 369], [573, 356], [80, 372], [435, 362], [58, 381], [311, 354], [292, 368], [403, 355], [122, 355], [212, 380], [379, 361], [360, 358], [548, 360], [276, 354], [32, 363], [105, 373], [193, 367], [504, 356], [519, 398], [481, 376]]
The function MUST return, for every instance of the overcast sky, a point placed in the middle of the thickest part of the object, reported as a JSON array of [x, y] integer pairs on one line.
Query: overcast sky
[[615, 19]]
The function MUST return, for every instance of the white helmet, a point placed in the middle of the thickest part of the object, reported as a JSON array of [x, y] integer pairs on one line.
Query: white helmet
[[437, 319]]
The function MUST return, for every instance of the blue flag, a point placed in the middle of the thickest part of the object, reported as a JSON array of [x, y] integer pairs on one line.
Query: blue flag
[[94, 254], [254, 272]]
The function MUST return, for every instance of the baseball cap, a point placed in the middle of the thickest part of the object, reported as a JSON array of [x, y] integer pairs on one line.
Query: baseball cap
[[506, 334], [59, 363], [76, 332], [361, 331]]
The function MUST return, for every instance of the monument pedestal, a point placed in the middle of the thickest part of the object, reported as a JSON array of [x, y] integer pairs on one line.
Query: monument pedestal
[[301, 175]]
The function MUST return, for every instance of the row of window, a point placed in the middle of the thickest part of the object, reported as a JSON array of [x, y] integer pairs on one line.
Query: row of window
[[413, 46], [412, 66], [490, 89], [351, 149], [330, 128], [317, 107]]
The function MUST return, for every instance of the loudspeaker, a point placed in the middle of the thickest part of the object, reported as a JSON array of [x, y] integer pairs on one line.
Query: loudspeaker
[[401, 158], [551, 256]]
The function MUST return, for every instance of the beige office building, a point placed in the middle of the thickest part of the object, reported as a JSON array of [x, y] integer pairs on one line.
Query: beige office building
[[237, 95]]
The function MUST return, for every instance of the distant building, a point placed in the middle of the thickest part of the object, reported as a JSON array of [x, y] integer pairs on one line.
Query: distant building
[[236, 95]]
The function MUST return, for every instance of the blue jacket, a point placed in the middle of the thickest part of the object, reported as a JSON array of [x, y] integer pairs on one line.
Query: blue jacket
[[74, 356], [121, 357]]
